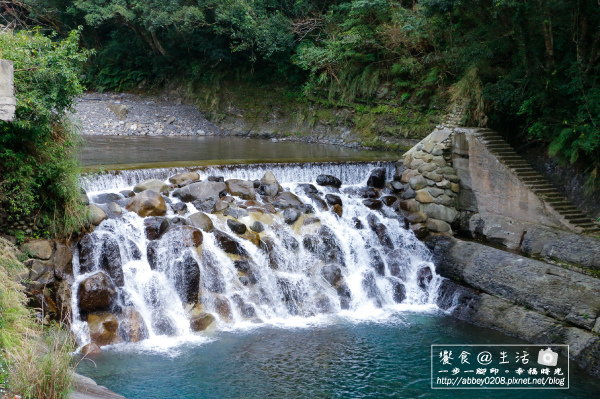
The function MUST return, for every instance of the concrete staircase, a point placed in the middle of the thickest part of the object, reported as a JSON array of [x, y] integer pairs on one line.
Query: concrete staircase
[[536, 182]]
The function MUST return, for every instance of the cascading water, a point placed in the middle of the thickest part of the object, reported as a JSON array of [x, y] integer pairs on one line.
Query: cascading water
[[170, 280]]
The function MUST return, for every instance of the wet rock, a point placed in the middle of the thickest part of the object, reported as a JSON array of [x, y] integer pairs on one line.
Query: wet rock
[[188, 236], [409, 205], [186, 273], [206, 204], [257, 227], [397, 186], [202, 190], [310, 242], [154, 227], [318, 201], [377, 178], [420, 230], [269, 178], [328, 180], [229, 244], [329, 249], [332, 274], [201, 221], [151, 184], [383, 236], [114, 208], [307, 188], [201, 321], [344, 294], [127, 193], [178, 179], [91, 349], [290, 215], [179, 208], [147, 203], [241, 188], [398, 263], [97, 292], [152, 254], [132, 327], [105, 198], [97, 215], [369, 286], [289, 198], [333, 199], [367, 192], [338, 210], [163, 325], [40, 249], [235, 212], [223, 308], [357, 224], [398, 289], [424, 277], [236, 227], [110, 261], [218, 179], [373, 204], [104, 329], [389, 200], [376, 262], [270, 190], [86, 253]]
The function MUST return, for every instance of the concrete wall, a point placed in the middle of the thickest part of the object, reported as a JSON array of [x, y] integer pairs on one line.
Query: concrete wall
[[493, 202], [7, 92]]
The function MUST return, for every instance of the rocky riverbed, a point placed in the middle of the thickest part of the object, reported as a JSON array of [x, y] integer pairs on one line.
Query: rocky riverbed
[[123, 114]]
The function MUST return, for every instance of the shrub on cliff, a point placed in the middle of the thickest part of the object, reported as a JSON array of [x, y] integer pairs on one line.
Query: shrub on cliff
[[35, 361], [38, 169]]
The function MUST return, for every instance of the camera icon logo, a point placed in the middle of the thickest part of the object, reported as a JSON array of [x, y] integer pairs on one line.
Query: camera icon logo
[[547, 357]]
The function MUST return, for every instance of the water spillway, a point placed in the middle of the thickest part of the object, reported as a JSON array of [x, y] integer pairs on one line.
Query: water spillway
[[308, 252]]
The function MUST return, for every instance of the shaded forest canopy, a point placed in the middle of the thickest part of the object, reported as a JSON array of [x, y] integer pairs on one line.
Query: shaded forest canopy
[[527, 67]]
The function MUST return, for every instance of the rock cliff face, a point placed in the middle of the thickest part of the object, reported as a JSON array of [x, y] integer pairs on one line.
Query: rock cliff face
[[523, 297]]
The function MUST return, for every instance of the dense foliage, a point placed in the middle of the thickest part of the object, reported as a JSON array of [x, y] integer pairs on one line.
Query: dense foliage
[[39, 173], [528, 68]]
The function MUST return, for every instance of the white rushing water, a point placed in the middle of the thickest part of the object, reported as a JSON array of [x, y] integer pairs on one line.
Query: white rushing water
[[377, 268]]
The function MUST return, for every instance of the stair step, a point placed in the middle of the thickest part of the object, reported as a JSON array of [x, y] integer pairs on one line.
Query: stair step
[[579, 221], [575, 217]]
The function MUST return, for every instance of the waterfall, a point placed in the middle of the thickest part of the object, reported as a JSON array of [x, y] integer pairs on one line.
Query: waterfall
[[322, 265]]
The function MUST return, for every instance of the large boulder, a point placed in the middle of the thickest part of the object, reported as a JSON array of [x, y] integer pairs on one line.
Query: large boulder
[[85, 248], [201, 322], [110, 261], [201, 221], [289, 198], [133, 327], [40, 249], [147, 203], [328, 180], [104, 329], [97, 292], [155, 227], [178, 179], [151, 184], [202, 190], [332, 274], [290, 215], [236, 227], [97, 215], [229, 244], [241, 188], [63, 262], [186, 272], [377, 178], [268, 178]]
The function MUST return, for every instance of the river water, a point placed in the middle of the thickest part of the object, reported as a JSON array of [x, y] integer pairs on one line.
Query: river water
[[290, 346]]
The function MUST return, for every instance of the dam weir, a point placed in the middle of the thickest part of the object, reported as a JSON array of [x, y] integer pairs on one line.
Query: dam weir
[[169, 280]]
